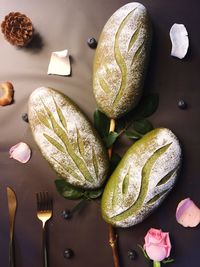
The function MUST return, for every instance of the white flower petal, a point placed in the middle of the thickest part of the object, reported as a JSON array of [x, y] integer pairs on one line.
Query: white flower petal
[[60, 63], [20, 152], [180, 41]]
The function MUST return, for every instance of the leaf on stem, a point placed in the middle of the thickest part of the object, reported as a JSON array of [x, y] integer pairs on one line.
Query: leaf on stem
[[110, 139], [67, 190], [168, 260], [147, 106], [144, 252], [92, 194], [133, 135], [71, 192], [101, 123], [143, 126]]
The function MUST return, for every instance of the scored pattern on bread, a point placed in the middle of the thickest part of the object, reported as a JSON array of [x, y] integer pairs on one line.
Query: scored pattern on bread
[[66, 139], [146, 170], [143, 178], [120, 60]]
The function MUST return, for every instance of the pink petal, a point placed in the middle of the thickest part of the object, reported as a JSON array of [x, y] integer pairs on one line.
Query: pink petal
[[156, 253], [187, 213], [168, 244], [155, 236], [21, 152]]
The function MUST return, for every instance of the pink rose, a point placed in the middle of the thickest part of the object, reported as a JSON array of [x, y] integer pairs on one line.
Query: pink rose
[[157, 244]]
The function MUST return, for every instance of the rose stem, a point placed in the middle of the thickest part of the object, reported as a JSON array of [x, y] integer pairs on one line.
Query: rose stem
[[156, 264], [112, 234]]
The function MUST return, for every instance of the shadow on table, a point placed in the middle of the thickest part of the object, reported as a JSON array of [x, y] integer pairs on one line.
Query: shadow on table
[[36, 43]]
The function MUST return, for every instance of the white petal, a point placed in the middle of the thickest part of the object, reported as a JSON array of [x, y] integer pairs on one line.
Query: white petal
[[180, 41], [60, 63], [21, 152]]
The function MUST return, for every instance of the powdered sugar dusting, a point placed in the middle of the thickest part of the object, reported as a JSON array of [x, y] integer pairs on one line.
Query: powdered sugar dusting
[[76, 122], [128, 19], [160, 150]]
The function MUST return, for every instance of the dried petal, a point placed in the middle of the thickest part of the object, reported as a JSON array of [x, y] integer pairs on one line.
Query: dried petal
[[187, 213], [180, 40], [60, 63], [21, 152]]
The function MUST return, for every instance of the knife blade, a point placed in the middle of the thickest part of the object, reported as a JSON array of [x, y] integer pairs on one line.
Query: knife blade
[[12, 206]]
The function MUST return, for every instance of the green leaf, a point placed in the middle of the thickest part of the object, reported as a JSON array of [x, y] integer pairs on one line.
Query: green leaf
[[143, 126], [147, 106], [71, 192], [115, 159], [168, 260], [110, 139], [68, 191], [92, 194], [144, 252], [101, 123], [133, 135]]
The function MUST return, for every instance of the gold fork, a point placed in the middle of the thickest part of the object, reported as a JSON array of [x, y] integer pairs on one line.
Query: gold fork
[[44, 213]]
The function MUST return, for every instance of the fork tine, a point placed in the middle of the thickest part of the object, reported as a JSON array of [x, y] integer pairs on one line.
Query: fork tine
[[49, 201], [38, 201], [44, 201]]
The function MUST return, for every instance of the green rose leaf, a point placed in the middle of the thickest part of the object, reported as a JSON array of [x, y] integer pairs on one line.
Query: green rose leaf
[[168, 260], [92, 194], [110, 139], [133, 135], [71, 192], [101, 123], [147, 106], [68, 191], [143, 126], [144, 252]]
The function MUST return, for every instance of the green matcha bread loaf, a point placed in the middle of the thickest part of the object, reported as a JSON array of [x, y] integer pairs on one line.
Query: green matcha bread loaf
[[121, 59], [67, 139], [143, 178]]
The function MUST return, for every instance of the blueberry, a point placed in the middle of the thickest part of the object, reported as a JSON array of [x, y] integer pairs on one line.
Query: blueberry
[[66, 214], [25, 117], [132, 254], [68, 253], [92, 42], [182, 104]]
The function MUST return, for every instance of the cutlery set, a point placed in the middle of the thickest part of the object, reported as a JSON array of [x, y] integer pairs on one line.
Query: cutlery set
[[44, 213]]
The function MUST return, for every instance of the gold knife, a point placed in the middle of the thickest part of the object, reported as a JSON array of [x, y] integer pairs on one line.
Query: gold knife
[[12, 206]]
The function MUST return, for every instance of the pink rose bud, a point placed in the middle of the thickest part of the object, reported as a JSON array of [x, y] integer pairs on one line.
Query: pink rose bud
[[157, 244], [20, 152]]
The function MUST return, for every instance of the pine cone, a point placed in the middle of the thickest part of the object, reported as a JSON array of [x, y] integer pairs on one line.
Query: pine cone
[[17, 29]]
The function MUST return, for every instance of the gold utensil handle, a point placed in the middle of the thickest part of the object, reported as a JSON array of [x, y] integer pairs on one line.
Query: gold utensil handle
[[11, 254], [12, 205]]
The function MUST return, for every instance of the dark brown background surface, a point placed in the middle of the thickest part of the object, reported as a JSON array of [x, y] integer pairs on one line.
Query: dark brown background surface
[[67, 24]]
